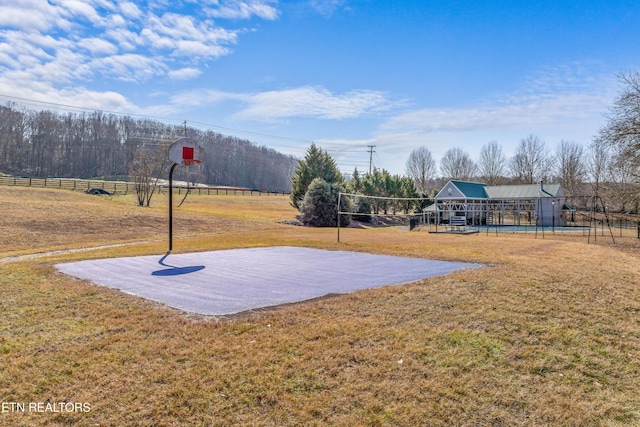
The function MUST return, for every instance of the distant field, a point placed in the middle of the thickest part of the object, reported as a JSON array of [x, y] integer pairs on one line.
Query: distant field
[[548, 333]]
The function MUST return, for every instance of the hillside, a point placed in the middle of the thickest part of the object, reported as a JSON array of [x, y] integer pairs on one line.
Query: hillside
[[48, 144]]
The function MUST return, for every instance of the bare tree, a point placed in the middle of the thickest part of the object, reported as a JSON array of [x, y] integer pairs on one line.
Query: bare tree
[[598, 165], [625, 191], [492, 165], [571, 169], [621, 136], [421, 168], [457, 164], [622, 131], [531, 162], [146, 167]]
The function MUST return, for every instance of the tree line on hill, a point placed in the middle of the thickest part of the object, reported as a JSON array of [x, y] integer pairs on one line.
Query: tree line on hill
[[92, 145]]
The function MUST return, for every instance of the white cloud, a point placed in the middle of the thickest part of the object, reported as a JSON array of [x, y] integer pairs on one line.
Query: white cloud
[[130, 10], [50, 96], [204, 97], [237, 9], [31, 15], [327, 7], [184, 74], [194, 48], [126, 40], [302, 102], [7, 61], [32, 63], [116, 23], [24, 48], [39, 40], [61, 69], [64, 40], [103, 101], [183, 36], [157, 41], [98, 46], [76, 9], [557, 98], [315, 102], [129, 67]]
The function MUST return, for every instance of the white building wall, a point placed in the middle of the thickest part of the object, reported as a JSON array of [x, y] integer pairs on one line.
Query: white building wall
[[549, 212]]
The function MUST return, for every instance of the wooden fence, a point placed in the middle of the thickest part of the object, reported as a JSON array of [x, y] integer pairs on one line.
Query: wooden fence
[[121, 187]]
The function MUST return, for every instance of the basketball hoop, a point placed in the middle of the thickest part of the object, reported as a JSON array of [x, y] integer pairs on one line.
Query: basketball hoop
[[187, 152]]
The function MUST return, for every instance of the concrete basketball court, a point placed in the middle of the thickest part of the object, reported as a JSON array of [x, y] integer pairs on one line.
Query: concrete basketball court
[[232, 281]]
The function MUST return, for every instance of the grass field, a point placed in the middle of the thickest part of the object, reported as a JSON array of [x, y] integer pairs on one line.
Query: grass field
[[547, 333]]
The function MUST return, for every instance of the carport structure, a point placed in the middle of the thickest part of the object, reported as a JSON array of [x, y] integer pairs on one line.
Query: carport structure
[[474, 203]]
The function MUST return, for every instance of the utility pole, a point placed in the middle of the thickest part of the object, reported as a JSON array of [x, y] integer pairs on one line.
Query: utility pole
[[185, 128], [371, 147]]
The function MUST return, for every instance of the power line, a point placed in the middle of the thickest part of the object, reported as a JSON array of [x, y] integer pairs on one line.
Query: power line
[[377, 160]]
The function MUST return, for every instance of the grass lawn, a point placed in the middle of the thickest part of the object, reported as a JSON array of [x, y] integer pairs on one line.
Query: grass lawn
[[547, 333]]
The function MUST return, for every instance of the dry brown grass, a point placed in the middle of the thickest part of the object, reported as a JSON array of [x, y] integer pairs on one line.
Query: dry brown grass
[[547, 334]]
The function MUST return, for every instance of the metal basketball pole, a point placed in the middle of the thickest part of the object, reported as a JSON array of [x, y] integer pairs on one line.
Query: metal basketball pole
[[173, 167], [339, 197]]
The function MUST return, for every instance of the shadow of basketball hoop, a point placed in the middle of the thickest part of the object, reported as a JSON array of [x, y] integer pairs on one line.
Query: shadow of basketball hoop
[[175, 271]]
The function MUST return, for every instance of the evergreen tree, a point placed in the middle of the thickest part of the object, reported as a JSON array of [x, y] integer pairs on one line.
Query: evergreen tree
[[316, 164], [407, 189], [355, 185], [319, 208], [373, 185], [362, 205]]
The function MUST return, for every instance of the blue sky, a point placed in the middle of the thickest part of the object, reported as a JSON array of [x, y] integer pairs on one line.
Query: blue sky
[[343, 73]]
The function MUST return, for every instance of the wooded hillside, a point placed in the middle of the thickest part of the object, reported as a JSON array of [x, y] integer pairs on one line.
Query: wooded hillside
[[90, 145]]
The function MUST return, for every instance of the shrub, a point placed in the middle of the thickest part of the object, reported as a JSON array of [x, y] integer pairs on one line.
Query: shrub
[[320, 204], [364, 208]]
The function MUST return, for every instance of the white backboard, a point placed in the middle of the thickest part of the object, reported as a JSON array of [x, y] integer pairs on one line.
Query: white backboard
[[186, 151]]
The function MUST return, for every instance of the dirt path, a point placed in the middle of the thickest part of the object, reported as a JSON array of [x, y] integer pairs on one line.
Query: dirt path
[[69, 251]]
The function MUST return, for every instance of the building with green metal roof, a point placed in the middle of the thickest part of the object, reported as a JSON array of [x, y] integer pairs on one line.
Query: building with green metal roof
[[475, 203]]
